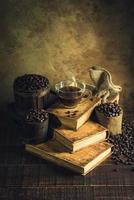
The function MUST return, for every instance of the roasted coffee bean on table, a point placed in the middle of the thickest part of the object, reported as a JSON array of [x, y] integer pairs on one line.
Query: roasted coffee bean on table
[[36, 116], [71, 113], [123, 149], [30, 83], [109, 109]]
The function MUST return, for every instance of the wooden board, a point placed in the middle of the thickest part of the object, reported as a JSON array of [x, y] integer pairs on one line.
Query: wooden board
[[68, 193], [24, 177]]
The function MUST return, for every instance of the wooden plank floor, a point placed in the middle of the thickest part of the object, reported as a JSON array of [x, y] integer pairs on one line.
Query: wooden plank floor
[[25, 177]]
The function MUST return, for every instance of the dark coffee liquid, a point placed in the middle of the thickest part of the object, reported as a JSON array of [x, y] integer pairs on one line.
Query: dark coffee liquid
[[70, 95]]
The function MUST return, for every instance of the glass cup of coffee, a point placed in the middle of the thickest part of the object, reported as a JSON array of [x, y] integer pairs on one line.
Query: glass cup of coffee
[[70, 92]]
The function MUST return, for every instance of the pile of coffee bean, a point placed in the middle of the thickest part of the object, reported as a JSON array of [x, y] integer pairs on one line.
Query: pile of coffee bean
[[39, 115], [30, 83], [71, 114], [123, 149], [109, 109]]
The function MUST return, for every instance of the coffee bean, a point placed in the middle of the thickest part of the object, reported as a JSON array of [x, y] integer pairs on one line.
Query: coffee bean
[[30, 83], [73, 114], [76, 111], [109, 109], [123, 149], [36, 116], [67, 112]]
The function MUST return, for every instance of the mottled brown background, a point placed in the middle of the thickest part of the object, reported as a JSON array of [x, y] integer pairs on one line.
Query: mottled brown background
[[61, 38]]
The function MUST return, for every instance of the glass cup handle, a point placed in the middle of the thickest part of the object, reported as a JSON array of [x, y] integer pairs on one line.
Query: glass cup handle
[[86, 95]]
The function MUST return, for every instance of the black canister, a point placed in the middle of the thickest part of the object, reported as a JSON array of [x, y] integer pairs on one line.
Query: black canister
[[36, 126], [31, 92]]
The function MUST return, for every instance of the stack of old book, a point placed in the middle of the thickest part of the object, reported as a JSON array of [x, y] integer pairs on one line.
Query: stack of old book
[[79, 143]]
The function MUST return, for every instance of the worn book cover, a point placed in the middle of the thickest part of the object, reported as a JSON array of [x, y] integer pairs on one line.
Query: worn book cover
[[88, 134], [74, 117], [82, 161]]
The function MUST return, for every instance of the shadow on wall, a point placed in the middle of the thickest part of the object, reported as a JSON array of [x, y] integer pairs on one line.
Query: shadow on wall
[[60, 39]]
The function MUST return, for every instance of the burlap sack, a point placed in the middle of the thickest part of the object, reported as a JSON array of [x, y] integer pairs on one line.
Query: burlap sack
[[114, 99], [113, 124]]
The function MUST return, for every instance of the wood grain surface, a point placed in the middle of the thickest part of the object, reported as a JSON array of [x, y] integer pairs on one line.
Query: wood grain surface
[[24, 177]]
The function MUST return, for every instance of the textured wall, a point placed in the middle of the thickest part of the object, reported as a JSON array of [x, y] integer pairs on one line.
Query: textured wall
[[61, 38]]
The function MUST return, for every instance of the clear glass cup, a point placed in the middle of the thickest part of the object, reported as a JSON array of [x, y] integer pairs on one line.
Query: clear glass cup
[[70, 92]]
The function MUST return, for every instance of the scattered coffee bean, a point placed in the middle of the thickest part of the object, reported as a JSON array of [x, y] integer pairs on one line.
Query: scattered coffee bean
[[67, 112], [30, 83], [71, 113], [36, 116], [109, 109], [123, 149], [76, 111], [71, 116]]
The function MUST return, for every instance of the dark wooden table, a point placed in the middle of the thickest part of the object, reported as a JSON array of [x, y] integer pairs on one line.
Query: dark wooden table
[[25, 177]]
